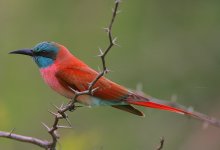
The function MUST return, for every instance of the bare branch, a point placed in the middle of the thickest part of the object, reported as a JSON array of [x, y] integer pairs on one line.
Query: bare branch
[[104, 53], [28, 139], [48, 129]]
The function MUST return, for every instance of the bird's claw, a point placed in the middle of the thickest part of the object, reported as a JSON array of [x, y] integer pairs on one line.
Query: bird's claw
[[72, 108]]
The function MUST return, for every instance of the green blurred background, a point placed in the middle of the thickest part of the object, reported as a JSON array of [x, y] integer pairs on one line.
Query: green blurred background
[[171, 47]]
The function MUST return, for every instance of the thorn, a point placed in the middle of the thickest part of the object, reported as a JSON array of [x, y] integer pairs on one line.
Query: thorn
[[75, 91], [101, 52], [65, 127], [68, 121], [56, 134], [48, 129], [93, 90], [64, 115], [106, 30], [114, 42], [52, 113], [89, 85], [61, 115], [55, 106], [113, 9], [61, 107], [107, 70], [118, 12], [12, 130]]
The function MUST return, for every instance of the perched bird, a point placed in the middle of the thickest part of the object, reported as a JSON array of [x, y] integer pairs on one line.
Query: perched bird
[[63, 72]]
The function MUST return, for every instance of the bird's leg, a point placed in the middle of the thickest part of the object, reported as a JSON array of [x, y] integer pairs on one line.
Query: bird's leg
[[72, 108]]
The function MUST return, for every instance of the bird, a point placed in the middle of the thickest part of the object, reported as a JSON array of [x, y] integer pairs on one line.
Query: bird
[[66, 74]]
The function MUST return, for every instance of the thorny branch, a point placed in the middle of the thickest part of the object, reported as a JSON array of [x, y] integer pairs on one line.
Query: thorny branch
[[61, 111]]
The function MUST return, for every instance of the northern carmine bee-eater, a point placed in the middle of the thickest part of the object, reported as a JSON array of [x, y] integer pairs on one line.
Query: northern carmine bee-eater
[[63, 72]]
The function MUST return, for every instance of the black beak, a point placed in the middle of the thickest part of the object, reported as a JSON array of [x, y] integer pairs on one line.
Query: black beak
[[28, 52]]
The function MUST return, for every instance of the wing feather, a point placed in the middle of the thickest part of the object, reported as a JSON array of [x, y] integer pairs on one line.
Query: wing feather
[[79, 78]]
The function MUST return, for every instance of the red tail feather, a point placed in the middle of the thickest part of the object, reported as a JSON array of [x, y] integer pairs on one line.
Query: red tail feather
[[159, 106], [164, 105]]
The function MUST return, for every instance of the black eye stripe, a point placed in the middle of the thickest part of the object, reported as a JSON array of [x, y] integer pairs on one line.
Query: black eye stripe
[[43, 53]]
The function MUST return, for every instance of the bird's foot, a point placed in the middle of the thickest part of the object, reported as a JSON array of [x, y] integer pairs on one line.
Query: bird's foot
[[74, 107]]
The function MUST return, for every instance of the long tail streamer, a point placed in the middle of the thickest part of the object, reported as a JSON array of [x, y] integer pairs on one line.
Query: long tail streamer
[[173, 107]]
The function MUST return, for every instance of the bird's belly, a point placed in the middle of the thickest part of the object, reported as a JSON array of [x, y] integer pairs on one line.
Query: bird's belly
[[49, 77]]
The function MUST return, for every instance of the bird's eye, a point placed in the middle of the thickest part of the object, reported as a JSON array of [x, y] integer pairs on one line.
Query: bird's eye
[[43, 51]]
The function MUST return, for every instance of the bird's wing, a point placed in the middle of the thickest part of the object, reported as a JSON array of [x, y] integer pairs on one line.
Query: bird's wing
[[79, 78]]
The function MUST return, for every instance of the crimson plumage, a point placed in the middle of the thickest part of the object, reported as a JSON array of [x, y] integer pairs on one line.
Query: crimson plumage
[[65, 74]]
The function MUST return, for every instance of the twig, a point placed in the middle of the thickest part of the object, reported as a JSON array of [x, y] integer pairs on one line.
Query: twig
[[160, 147], [61, 111], [27, 139]]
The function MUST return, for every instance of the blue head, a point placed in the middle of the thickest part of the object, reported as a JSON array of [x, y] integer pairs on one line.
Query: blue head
[[44, 53]]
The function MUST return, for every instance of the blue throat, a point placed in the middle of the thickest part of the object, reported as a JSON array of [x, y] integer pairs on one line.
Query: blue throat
[[43, 62]]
